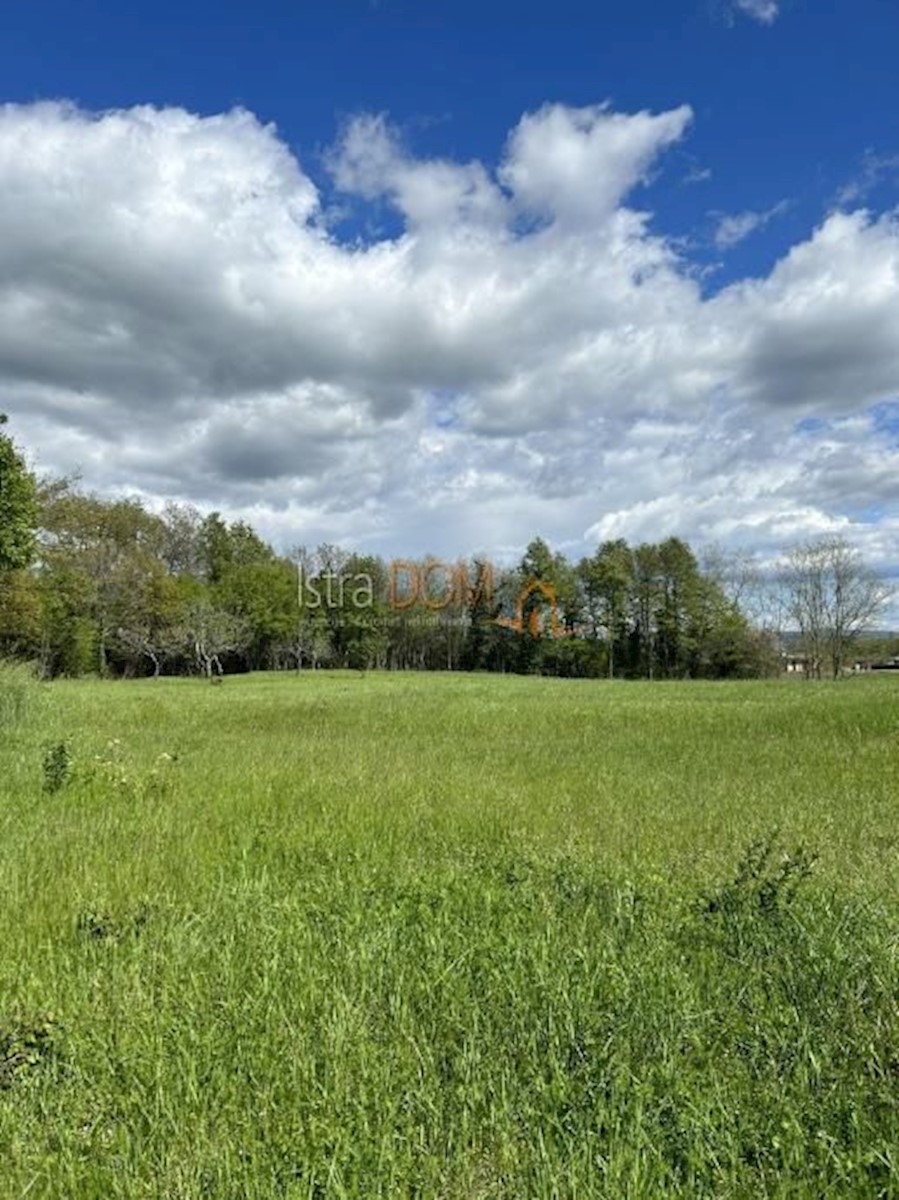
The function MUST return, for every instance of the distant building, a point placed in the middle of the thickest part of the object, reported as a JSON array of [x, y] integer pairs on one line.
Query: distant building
[[794, 664]]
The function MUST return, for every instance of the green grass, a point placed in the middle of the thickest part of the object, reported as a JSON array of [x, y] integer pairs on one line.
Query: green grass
[[448, 936]]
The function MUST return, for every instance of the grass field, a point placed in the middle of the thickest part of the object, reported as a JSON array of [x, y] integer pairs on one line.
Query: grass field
[[450, 937]]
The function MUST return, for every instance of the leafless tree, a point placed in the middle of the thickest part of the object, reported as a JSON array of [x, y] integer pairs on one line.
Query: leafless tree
[[756, 587], [832, 597]]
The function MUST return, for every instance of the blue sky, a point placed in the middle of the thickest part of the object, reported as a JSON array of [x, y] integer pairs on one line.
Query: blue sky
[[785, 111], [724, 367]]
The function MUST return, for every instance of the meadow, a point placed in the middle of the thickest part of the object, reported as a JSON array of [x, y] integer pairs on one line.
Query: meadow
[[448, 937]]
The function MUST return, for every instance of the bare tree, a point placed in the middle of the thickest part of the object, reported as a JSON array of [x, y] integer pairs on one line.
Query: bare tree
[[832, 597], [141, 640], [756, 587], [208, 632]]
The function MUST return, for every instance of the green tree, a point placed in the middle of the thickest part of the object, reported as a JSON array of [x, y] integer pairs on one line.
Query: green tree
[[264, 595], [607, 581], [679, 599], [21, 613], [145, 616], [361, 615], [109, 545], [645, 601], [548, 602], [182, 542], [485, 642], [18, 507]]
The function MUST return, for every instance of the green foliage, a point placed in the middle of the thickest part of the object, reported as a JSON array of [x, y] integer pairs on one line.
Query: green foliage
[[18, 507], [606, 579], [262, 594], [760, 883], [77, 639], [57, 767], [484, 641], [20, 614], [223, 547]]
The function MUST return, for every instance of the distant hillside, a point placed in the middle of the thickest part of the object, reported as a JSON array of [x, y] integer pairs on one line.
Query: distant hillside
[[791, 638]]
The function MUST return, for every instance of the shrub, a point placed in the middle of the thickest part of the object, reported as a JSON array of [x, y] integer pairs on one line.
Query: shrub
[[57, 767]]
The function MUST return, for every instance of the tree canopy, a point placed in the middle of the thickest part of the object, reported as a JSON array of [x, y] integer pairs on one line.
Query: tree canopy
[[18, 506]]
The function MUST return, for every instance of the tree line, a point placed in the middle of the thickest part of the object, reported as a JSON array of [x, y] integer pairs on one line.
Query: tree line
[[90, 585]]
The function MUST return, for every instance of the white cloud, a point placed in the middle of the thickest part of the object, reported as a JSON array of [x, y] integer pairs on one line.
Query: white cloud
[[737, 227], [697, 174], [525, 353], [764, 11], [577, 165], [371, 162], [875, 169]]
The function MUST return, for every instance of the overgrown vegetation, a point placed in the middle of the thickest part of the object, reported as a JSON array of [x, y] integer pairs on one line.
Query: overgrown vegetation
[[448, 936], [24, 1045], [21, 694]]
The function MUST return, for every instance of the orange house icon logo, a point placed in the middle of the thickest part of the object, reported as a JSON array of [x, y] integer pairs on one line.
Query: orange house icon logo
[[532, 616]]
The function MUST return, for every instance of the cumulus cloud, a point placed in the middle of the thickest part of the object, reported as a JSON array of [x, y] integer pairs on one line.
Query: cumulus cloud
[[371, 162], [577, 165], [524, 352]]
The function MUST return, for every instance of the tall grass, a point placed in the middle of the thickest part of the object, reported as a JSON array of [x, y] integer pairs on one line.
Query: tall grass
[[449, 937], [20, 694]]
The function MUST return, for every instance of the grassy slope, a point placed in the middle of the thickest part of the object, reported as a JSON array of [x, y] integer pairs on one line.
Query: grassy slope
[[447, 936]]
